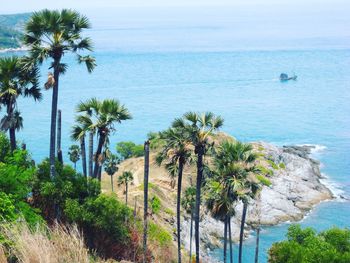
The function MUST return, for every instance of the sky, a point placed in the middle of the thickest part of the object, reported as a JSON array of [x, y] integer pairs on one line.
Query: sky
[[226, 21]]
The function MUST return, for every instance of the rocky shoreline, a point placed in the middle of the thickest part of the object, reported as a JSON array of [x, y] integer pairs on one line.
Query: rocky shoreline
[[296, 188]]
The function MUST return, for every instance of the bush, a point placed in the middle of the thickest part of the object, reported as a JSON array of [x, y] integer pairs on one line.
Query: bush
[[305, 245], [273, 164], [5, 147], [158, 234], [129, 149], [282, 166], [155, 204], [263, 180]]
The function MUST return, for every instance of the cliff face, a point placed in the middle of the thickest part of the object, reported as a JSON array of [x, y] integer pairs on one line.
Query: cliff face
[[295, 188]]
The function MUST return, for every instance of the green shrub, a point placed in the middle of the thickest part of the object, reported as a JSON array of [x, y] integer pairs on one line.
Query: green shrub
[[5, 147], [103, 214], [129, 149], [7, 208], [158, 234], [282, 166], [155, 204], [264, 170], [305, 245], [169, 211]]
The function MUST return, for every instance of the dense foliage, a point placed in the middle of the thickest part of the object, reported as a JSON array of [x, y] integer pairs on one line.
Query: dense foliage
[[308, 246], [129, 149]]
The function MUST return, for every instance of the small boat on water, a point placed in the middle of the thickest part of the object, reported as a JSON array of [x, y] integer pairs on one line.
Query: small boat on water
[[285, 77]]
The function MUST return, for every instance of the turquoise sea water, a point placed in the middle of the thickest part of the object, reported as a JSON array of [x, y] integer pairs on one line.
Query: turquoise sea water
[[242, 86]]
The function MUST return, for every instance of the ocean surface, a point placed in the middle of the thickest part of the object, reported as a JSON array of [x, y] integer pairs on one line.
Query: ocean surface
[[241, 84]]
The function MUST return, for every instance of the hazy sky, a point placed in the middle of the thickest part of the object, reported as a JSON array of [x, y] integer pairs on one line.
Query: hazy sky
[[219, 22]]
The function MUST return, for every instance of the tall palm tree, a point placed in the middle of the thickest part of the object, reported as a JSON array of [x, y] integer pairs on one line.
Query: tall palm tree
[[176, 152], [111, 166], [15, 81], [74, 154], [198, 128], [188, 202], [100, 117], [238, 161], [125, 179], [145, 199], [51, 35], [78, 134]]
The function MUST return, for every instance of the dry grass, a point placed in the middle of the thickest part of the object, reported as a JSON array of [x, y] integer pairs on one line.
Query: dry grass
[[43, 245]]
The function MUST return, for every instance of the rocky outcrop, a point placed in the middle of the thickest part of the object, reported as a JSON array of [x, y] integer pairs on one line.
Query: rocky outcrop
[[295, 189]]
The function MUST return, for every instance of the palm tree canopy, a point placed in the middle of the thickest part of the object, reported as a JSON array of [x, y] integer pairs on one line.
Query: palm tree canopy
[[14, 121], [17, 80], [125, 178], [199, 126], [111, 164], [101, 115], [74, 153], [52, 33], [189, 199]]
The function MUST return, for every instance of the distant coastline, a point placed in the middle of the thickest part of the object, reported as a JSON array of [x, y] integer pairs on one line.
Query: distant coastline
[[10, 50]]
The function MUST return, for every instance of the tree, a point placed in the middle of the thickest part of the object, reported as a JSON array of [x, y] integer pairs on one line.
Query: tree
[[78, 134], [306, 245], [74, 154], [236, 161], [198, 129], [129, 149], [145, 200], [111, 167], [16, 81], [176, 151], [101, 117], [188, 202], [51, 35], [125, 179]]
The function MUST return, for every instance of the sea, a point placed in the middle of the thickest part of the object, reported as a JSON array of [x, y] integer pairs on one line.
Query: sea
[[160, 70]]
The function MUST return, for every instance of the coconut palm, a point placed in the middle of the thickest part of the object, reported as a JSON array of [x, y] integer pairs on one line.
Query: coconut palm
[[101, 117], [125, 179], [198, 128], [51, 35], [74, 154], [16, 81], [78, 134], [111, 166], [175, 153], [188, 202]]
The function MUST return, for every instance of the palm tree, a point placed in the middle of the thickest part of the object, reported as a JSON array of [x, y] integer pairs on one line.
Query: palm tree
[[15, 81], [74, 154], [220, 204], [100, 117], [145, 199], [51, 35], [238, 161], [176, 152], [125, 179], [111, 166], [78, 134], [188, 203], [198, 129]]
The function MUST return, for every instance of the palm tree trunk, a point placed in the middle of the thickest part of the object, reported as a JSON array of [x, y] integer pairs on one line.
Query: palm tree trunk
[[145, 211], [53, 118], [225, 239], [12, 133], [257, 244], [83, 154], [101, 142], [59, 134], [126, 193], [112, 183], [12, 130], [191, 235], [241, 235], [198, 200], [178, 210], [91, 151], [230, 239]]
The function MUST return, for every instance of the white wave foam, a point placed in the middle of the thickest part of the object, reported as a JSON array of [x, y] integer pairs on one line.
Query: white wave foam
[[315, 148], [334, 187]]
